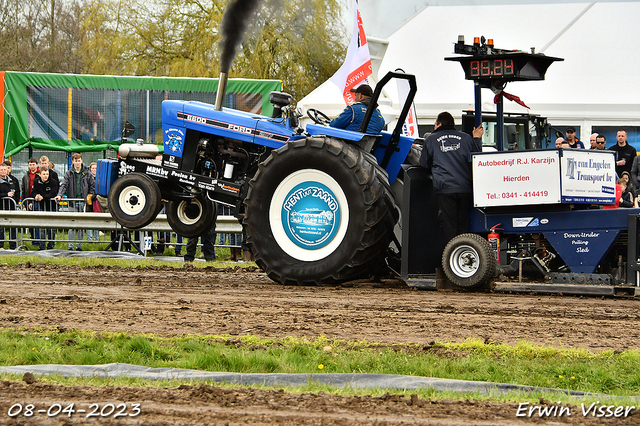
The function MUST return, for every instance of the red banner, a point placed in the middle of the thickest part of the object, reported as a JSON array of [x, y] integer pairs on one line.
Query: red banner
[[357, 65]]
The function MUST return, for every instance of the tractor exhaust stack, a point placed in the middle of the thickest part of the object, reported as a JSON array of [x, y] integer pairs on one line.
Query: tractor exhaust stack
[[222, 89]]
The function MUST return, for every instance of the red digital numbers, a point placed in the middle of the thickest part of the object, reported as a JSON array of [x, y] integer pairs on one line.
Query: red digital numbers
[[485, 68], [475, 68], [497, 67], [491, 68], [508, 66]]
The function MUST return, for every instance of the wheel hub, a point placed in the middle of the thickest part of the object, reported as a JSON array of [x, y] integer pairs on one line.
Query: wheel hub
[[132, 200], [189, 212], [465, 261]]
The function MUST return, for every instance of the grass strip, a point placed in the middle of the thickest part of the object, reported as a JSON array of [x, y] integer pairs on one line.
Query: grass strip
[[142, 262], [608, 372]]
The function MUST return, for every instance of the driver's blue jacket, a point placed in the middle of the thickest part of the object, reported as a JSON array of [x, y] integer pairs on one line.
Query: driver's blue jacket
[[352, 116]]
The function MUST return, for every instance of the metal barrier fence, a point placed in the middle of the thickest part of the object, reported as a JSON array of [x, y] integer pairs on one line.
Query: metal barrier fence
[[68, 217], [9, 204]]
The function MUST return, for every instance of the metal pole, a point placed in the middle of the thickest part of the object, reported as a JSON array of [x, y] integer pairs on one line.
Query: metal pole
[[500, 124], [478, 100]]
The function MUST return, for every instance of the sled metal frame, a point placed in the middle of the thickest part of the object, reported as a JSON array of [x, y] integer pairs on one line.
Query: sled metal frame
[[593, 290]]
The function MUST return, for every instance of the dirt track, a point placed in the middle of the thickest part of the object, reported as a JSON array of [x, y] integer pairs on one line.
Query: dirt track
[[168, 301]]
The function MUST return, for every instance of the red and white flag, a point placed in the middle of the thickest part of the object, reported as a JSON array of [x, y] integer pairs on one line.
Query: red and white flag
[[357, 65]]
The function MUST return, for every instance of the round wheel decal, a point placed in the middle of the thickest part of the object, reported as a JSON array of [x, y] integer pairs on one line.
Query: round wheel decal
[[310, 215]]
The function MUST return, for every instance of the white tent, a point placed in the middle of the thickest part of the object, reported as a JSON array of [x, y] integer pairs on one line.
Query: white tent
[[597, 84]]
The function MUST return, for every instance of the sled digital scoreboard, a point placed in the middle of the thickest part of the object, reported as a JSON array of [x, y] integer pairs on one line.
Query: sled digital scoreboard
[[486, 63]]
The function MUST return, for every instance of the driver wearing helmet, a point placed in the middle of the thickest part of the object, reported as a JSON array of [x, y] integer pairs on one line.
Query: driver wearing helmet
[[352, 116]]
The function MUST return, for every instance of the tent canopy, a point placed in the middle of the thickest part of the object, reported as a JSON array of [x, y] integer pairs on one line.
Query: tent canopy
[[596, 85]]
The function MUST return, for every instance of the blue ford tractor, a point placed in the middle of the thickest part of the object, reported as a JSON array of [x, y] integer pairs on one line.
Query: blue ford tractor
[[316, 203], [325, 205]]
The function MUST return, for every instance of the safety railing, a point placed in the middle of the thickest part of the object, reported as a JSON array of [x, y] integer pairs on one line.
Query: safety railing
[[8, 204], [71, 216], [100, 221]]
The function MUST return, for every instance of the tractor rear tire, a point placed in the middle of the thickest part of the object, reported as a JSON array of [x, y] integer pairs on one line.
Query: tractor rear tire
[[316, 212], [191, 218], [134, 200], [469, 261]]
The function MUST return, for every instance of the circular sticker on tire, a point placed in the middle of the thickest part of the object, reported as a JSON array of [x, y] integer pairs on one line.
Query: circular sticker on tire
[[310, 215]]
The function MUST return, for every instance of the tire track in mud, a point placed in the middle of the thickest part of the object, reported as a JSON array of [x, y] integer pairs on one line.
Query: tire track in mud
[[169, 301]]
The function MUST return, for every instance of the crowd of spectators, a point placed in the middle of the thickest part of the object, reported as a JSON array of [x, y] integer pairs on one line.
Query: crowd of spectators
[[42, 189], [627, 162]]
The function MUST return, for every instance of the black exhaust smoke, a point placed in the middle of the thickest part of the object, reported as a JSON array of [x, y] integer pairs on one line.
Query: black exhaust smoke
[[233, 27]]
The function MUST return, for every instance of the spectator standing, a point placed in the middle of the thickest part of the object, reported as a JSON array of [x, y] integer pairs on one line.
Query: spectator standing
[[447, 153], [574, 142], [92, 205], [592, 140], [45, 189], [28, 180], [561, 141], [626, 154], [14, 179], [630, 186], [635, 173], [16, 185], [208, 240], [626, 200], [601, 142], [44, 162], [78, 182], [27, 190], [8, 189], [351, 117]]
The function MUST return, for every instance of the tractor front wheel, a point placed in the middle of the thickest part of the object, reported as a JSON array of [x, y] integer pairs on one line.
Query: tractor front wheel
[[134, 200], [191, 218]]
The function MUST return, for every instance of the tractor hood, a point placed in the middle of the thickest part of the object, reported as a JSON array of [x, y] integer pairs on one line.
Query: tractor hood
[[179, 116]]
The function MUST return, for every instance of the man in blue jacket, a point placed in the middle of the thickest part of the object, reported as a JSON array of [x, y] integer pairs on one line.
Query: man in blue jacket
[[352, 116], [447, 153]]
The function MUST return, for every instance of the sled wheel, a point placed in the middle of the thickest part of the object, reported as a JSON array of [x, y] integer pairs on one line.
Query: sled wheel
[[134, 200], [317, 212], [191, 218], [468, 260]]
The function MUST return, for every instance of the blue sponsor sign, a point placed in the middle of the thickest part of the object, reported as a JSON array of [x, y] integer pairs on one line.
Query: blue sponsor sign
[[310, 215], [173, 142]]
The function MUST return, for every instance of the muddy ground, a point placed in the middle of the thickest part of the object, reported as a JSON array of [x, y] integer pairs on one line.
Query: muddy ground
[[168, 301]]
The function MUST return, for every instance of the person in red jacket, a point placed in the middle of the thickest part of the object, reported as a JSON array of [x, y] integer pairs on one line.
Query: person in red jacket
[[28, 180]]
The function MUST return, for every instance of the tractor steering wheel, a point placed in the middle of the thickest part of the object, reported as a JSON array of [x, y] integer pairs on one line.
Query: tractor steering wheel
[[318, 117]]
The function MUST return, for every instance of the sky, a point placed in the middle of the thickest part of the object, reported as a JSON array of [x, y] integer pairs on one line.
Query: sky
[[382, 17]]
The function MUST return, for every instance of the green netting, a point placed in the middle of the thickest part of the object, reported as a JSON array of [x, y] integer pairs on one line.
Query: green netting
[[85, 113]]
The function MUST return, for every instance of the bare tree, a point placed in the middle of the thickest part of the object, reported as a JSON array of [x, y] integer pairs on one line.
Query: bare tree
[[41, 35], [300, 42]]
